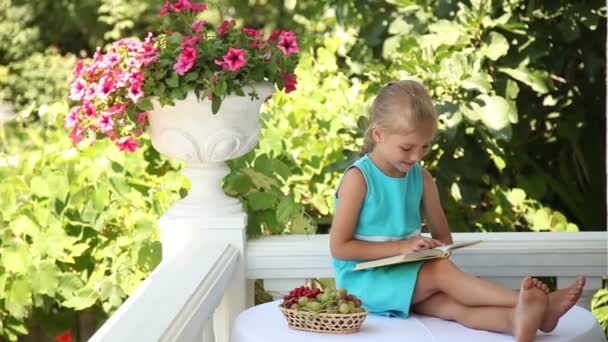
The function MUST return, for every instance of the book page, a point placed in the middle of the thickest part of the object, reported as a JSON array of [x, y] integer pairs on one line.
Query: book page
[[438, 252]]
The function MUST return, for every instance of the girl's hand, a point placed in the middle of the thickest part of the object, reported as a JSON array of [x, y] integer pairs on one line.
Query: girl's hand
[[419, 243]]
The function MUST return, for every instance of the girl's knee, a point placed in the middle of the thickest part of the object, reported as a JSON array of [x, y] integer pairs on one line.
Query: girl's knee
[[435, 266]]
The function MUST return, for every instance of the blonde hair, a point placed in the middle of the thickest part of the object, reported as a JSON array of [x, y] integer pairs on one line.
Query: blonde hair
[[406, 99]]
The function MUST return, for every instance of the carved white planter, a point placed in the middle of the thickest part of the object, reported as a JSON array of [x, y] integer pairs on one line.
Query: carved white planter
[[189, 131]]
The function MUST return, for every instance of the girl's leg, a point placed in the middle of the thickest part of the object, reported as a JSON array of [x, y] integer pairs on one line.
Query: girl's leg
[[490, 318], [442, 275], [560, 302], [522, 321]]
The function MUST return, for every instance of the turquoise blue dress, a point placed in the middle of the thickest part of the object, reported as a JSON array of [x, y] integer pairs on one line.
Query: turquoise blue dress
[[390, 211]]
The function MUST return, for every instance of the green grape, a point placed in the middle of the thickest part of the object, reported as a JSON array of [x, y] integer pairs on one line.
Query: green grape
[[344, 308]]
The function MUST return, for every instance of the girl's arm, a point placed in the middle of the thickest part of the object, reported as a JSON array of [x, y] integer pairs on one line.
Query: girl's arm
[[342, 244], [433, 211]]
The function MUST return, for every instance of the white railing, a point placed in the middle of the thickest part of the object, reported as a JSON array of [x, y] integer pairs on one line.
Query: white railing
[[284, 262], [177, 301]]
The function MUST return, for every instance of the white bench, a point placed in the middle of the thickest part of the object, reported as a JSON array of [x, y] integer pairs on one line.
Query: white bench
[[265, 323]]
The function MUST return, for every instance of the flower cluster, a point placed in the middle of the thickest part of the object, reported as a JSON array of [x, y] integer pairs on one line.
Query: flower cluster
[[113, 92]]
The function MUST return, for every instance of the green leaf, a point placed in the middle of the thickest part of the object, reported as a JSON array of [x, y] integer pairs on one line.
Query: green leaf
[[173, 80], [46, 278], [541, 220], [101, 197], [40, 187], [24, 225], [496, 47], [145, 104], [16, 258], [260, 180], [516, 197], [144, 229], [478, 82], [538, 81], [287, 209], [263, 164], [221, 87], [149, 255], [82, 299], [8, 200], [261, 200], [280, 169], [191, 76], [119, 185], [216, 102], [58, 186], [19, 297], [302, 225], [69, 283], [497, 112], [3, 280]]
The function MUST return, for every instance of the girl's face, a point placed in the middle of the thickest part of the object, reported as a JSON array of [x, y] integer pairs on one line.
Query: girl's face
[[398, 150]]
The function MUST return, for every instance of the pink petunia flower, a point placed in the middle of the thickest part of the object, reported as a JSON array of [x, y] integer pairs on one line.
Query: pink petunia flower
[[105, 88], [275, 34], [135, 92], [106, 123], [76, 135], [197, 25], [256, 44], [185, 61], [290, 81], [288, 43], [78, 88], [127, 144], [225, 26], [71, 119], [181, 5], [253, 32], [142, 117], [234, 59], [195, 7], [190, 41], [166, 8]]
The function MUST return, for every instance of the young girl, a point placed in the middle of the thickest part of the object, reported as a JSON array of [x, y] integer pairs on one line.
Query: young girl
[[377, 214]]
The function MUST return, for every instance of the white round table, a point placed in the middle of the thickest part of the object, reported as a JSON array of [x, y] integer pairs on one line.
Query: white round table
[[265, 323]]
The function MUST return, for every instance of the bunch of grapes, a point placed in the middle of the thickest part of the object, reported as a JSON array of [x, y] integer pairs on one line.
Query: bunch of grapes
[[304, 298]]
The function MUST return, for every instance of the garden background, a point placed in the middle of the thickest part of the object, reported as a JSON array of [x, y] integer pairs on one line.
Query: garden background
[[519, 87]]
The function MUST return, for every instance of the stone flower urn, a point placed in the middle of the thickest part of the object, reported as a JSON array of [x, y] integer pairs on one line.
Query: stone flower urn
[[190, 132]]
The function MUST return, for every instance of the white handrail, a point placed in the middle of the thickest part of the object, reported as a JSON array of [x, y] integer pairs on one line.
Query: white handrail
[[177, 301]]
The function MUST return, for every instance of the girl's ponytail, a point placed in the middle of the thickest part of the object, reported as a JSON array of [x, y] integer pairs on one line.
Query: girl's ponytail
[[368, 141]]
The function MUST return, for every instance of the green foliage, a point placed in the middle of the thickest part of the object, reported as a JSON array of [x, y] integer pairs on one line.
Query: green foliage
[[18, 38], [503, 81], [39, 79], [77, 228], [599, 308]]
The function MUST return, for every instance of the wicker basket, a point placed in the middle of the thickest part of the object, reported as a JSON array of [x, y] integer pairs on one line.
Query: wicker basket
[[324, 322]]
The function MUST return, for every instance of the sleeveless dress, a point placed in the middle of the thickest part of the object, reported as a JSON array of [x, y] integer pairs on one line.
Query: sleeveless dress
[[390, 211]]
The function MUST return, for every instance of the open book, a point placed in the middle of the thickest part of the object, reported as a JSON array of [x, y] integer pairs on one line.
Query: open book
[[434, 253]]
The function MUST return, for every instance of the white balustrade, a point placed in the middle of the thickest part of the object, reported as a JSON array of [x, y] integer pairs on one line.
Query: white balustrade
[[177, 301], [285, 261]]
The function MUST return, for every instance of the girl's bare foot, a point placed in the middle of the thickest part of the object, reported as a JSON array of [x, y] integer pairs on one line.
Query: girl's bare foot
[[529, 311], [560, 302], [540, 285]]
